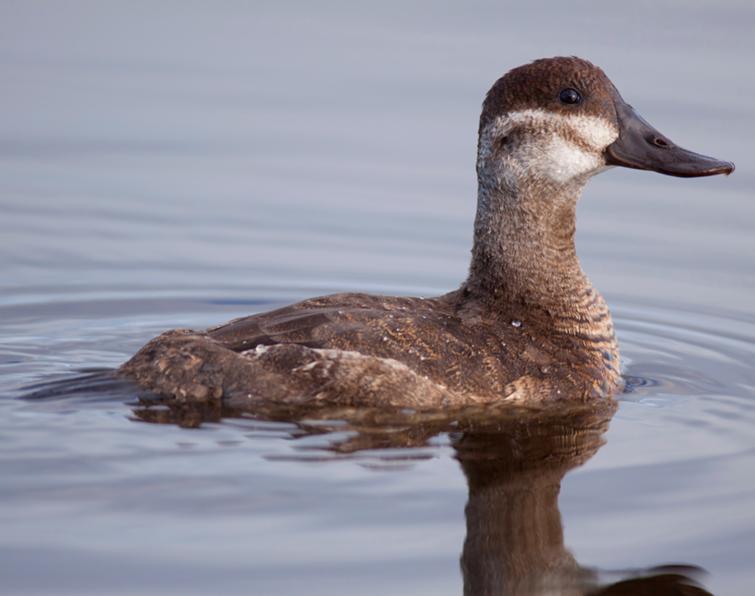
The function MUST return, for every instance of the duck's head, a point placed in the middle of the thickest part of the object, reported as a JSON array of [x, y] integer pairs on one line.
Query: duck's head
[[558, 121]]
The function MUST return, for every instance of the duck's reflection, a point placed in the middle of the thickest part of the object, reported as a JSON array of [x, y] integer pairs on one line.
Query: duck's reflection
[[515, 541], [514, 462]]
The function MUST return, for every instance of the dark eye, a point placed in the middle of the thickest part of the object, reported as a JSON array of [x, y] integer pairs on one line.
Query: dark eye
[[570, 96]]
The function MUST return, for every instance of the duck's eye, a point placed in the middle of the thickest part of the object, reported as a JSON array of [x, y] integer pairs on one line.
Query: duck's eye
[[570, 96]]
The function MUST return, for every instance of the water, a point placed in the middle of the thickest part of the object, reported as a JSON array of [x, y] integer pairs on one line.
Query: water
[[179, 165]]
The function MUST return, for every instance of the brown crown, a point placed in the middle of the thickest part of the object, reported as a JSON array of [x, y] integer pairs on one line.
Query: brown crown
[[538, 85]]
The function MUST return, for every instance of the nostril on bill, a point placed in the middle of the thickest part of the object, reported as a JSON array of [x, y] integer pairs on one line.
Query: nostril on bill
[[660, 142]]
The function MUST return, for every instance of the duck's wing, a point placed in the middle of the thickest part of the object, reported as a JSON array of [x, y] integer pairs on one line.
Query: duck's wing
[[425, 335], [286, 325], [346, 321]]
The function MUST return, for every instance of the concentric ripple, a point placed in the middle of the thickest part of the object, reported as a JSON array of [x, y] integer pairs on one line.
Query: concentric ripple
[[687, 351], [692, 369]]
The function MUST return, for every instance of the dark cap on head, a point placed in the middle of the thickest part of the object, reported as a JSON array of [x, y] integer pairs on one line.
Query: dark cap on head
[[539, 84]]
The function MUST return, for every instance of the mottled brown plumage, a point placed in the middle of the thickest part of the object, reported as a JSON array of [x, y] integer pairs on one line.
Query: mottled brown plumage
[[354, 349], [526, 326]]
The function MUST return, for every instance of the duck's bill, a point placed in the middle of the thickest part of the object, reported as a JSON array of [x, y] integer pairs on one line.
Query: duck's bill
[[642, 147]]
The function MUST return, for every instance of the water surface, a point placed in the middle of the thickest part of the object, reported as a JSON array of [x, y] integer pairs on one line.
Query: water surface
[[179, 165]]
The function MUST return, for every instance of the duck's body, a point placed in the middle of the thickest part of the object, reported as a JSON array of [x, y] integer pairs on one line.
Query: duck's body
[[526, 326], [357, 349]]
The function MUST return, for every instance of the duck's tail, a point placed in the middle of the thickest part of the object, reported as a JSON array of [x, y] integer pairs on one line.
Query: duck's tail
[[98, 384]]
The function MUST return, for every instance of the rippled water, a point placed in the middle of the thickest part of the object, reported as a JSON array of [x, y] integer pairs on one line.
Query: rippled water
[[180, 165]]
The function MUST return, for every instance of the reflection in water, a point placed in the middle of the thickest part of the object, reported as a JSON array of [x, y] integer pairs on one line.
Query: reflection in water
[[515, 540], [513, 460]]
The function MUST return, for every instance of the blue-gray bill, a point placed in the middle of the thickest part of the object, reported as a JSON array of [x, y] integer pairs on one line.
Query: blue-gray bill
[[642, 147]]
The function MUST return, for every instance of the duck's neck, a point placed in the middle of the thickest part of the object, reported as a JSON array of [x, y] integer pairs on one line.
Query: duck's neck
[[524, 252]]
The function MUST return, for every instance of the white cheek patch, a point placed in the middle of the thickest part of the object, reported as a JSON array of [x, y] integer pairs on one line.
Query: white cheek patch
[[564, 160], [594, 131], [548, 151], [597, 132]]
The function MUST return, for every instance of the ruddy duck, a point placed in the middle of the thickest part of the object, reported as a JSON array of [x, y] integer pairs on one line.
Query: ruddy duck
[[525, 327]]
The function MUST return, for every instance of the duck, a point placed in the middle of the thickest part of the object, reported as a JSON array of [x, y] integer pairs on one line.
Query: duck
[[526, 327]]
